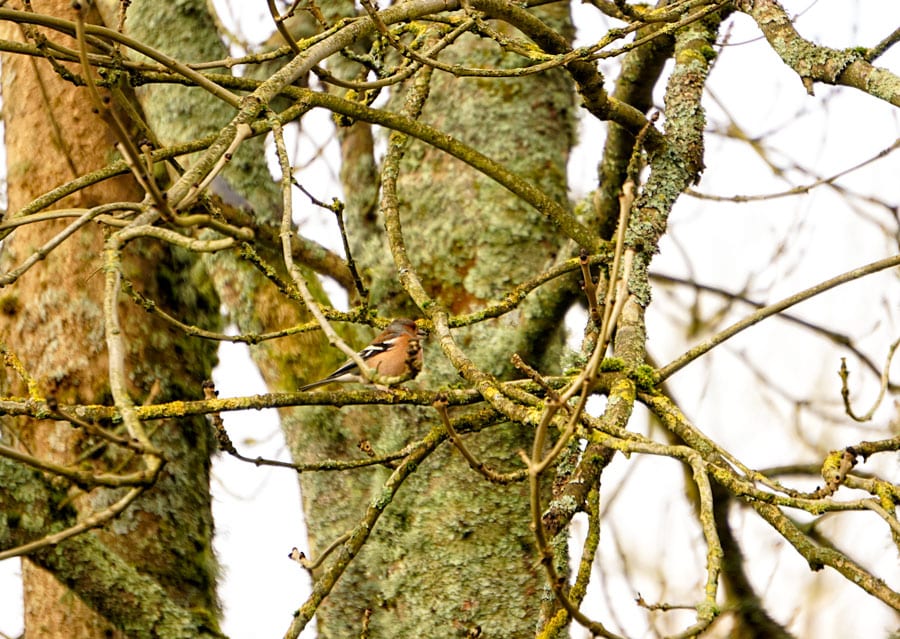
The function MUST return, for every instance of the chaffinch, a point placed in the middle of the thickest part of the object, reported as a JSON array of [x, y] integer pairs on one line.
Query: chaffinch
[[396, 352]]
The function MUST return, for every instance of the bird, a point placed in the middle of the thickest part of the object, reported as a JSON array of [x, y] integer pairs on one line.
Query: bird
[[396, 352]]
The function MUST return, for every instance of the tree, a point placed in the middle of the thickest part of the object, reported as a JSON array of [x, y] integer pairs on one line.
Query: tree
[[455, 517], [55, 336]]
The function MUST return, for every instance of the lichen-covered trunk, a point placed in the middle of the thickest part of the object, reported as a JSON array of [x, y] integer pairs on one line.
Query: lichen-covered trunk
[[452, 553], [52, 320]]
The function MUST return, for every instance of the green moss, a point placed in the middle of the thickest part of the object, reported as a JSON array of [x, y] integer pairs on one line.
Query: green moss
[[645, 377], [686, 56], [612, 365], [708, 52]]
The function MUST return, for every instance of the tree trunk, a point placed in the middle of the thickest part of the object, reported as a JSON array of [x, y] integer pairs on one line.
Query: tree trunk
[[453, 552], [52, 320]]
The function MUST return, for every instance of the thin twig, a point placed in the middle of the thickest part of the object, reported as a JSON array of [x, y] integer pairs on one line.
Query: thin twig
[[278, 19], [337, 208], [876, 51], [885, 382], [226, 445], [12, 360], [126, 146], [797, 190], [838, 338], [478, 466], [96, 431], [590, 287], [701, 349], [115, 345], [242, 131], [92, 521], [43, 251], [311, 565]]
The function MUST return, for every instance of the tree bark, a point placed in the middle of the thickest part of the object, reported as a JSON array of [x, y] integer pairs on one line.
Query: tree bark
[[53, 321], [452, 553]]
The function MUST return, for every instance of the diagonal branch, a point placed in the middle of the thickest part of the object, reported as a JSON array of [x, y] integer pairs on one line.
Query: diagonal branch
[[772, 309], [814, 63]]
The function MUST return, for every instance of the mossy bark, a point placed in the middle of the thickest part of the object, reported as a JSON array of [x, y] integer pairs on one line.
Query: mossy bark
[[452, 552], [53, 322]]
